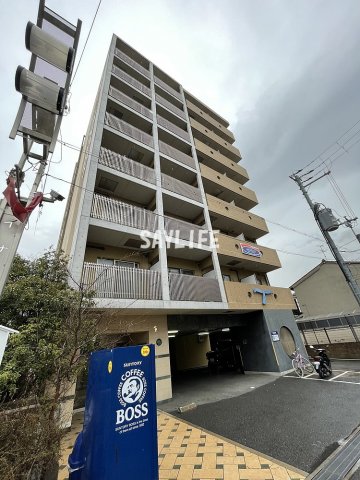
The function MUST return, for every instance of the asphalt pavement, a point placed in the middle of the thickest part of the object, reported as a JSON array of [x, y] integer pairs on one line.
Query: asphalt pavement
[[294, 420]]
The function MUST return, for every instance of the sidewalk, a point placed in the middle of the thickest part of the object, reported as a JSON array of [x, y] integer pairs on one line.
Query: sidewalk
[[187, 452]]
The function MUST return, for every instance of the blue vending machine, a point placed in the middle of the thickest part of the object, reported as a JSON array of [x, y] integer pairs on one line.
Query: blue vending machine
[[119, 437]]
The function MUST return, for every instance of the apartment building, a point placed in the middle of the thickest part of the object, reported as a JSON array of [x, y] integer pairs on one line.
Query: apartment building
[[159, 169]]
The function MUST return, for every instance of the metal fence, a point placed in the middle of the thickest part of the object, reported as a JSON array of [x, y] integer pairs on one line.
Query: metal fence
[[341, 329]]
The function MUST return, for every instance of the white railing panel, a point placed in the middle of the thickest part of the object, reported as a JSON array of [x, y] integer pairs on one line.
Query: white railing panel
[[173, 128], [128, 129], [176, 154], [131, 81], [193, 288], [113, 92], [111, 210], [182, 188], [122, 282], [126, 165], [162, 101], [167, 88], [132, 63], [186, 231]]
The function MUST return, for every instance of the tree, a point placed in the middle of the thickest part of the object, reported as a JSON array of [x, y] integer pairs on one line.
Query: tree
[[57, 330]]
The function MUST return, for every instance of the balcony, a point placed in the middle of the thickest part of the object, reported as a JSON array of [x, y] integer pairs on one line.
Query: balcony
[[120, 213], [217, 161], [173, 128], [176, 154], [122, 282], [241, 296], [235, 220], [165, 103], [134, 105], [123, 164], [127, 129], [167, 88], [182, 188], [132, 63], [221, 186], [131, 81], [231, 253], [194, 289], [210, 122], [186, 231], [208, 136]]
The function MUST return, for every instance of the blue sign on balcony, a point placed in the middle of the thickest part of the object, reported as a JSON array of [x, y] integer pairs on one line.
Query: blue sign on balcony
[[119, 438]]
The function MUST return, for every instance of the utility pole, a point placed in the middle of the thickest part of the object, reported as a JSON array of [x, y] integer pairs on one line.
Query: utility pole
[[327, 223], [54, 41]]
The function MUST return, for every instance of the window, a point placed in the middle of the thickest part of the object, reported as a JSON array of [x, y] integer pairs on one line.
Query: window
[[183, 271], [117, 263], [120, 263], [105, 261]]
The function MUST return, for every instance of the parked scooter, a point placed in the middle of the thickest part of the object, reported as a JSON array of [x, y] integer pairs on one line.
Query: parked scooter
[[322, 363]]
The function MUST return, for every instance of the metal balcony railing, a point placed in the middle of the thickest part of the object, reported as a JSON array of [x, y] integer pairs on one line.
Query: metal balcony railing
[[121, 213], [167, 88], [173, 128], [162, 101], [131, 81], [182, 188], [133, 63], [176, 154], [128, 129], [192, 288], [133, 104], [122, 282], [126, 165], [186, 231]]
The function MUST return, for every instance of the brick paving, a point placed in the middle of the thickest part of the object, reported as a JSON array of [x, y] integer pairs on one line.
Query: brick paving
[[190, 453]]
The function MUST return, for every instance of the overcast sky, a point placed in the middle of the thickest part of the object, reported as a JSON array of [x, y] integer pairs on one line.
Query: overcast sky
[[285, 73]]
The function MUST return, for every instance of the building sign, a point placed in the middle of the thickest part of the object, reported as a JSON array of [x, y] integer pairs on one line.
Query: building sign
[[250, 250], [263, 293], [275, 336], [120, 429]]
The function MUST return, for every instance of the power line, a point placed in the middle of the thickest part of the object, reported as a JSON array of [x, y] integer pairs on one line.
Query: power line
[[297, 254], [87, 38], [76, 148], [328, 148], [313, 237]]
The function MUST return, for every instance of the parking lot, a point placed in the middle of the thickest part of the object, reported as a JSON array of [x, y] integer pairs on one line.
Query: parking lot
[[297, 420], [338, 376]]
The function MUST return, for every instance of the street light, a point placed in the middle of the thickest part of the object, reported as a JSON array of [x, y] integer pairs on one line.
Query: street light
[[39, 91], [47, 47]]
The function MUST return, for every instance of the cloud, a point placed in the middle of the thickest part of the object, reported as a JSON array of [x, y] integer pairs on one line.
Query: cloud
[[285, 74]]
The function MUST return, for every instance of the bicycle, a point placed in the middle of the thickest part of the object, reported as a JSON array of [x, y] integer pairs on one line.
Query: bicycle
[[301, 364]]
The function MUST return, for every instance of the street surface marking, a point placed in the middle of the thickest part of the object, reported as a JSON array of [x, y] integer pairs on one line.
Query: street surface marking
[[341, 374]]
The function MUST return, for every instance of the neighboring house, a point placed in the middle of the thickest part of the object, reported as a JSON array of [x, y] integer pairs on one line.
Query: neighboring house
[[155, 159], [330, 313]]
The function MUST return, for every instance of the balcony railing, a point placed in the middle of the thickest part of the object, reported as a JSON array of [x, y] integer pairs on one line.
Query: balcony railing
[[126, 165], [130, 80], [176, 154], [133, 63], [113, 92], [186, 231], [167, 88], [121, 213], [128, 129], [182, 188], [122, 282], [173, 128], [192, 288], [162, 101]]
